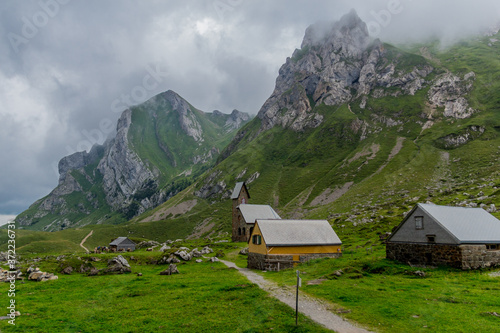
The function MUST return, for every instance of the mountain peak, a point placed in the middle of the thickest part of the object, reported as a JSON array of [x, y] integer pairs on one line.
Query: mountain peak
[[350, 30]]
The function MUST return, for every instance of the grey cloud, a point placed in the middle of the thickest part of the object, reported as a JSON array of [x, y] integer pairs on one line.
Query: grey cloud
[[219, 54]]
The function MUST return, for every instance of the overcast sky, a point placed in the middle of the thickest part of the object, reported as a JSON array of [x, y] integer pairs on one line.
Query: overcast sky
[[69, 67]]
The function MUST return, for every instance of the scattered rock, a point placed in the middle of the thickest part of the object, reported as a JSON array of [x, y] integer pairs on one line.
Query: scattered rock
[[338, 273], [172, 269], [207, 250], [214, 259], [119, 259], [315, 282], [117, 265], [244, 251], [196, 254], [164, 248], [419, 273], [139, 274], [8, 276], [41, 276], [67, 270], [147, 244], [183, 255], [199, 260]]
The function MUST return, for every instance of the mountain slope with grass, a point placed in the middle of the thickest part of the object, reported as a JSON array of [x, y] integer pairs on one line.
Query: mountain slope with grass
[[358, 131], [160, 147]]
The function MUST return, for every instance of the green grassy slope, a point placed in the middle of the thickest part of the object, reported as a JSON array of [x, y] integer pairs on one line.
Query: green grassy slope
[[156, 136]]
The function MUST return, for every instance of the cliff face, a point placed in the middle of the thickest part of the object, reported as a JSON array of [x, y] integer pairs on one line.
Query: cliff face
[[338, 91], [159, 147]]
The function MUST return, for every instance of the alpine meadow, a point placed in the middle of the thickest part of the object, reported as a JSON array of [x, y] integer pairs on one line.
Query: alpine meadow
[[357, 131]]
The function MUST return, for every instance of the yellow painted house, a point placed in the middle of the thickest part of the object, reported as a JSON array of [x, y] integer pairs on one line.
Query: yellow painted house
[[278, 244]]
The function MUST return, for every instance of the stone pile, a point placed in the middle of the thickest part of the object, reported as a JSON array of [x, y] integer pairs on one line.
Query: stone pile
[[6, 276], [36, 275], [185, 254]]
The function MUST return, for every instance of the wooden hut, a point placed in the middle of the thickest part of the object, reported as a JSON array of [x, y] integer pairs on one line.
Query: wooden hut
[[278, 244]]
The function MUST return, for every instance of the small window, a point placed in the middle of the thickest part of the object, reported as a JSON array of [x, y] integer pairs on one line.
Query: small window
[[257, 239], [419, 222], [239, 231], [243, 231], [492, 247], [431, 238]]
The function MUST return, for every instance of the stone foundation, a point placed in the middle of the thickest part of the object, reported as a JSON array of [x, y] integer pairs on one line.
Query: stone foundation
[[274, 262], [457, 256]]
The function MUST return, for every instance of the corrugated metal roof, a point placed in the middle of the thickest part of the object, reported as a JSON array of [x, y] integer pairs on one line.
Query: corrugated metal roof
[[468, 225], [119, 240], [253, 212], [297, 232], [237, 190]]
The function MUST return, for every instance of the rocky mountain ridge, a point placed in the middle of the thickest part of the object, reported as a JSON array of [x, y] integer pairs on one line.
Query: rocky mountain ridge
[[119, 177]]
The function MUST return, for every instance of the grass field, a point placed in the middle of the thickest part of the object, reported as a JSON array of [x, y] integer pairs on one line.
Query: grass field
[[390, 297], [204, 297]]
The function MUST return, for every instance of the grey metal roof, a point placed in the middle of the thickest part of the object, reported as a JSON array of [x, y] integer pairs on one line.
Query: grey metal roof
[[237, 190], [253, 212], [119, 240], [468, 225], [297, 232]]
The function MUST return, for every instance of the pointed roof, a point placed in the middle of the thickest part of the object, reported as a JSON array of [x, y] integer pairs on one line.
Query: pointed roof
[[237, 189], [253, 212], [297, 232], [120, 240], [466, 225]]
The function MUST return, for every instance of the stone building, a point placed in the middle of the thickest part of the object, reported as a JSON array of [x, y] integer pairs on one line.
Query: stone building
[[245, 214], [122, 244], [279, 244], [466, 238]]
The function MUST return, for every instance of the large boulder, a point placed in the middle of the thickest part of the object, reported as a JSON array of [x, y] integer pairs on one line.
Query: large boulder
[[172, 269], [118, 265], [206, 250], [119, 260], [196, 254], [184, 255]]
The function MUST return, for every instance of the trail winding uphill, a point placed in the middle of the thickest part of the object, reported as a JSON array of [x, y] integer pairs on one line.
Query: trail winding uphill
[[83, 240], [313, 308]]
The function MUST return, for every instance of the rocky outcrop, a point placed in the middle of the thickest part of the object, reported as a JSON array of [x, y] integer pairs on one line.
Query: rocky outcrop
[[456, 140], [79, 160], [236, 119], [172, 269], [337, 62], [124, 173], [448, 92], [127, 173], [187, 119]]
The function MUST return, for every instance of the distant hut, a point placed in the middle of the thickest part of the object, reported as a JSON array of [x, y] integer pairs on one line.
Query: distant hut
[[442, 235], [278, 244], [122, 244]]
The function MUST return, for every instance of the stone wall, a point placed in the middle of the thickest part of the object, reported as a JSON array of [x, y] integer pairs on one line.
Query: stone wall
[[476, 256], [278, 262], [425, 254], [457, 256]]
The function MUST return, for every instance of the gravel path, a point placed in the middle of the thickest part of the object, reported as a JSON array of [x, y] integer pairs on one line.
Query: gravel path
[[83, 240], [311, 307]]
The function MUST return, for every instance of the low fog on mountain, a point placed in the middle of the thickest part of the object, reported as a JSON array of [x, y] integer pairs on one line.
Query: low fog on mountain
[[69, 68]]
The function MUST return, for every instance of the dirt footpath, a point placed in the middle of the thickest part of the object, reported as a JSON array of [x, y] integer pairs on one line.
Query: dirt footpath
[[313, 308]]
